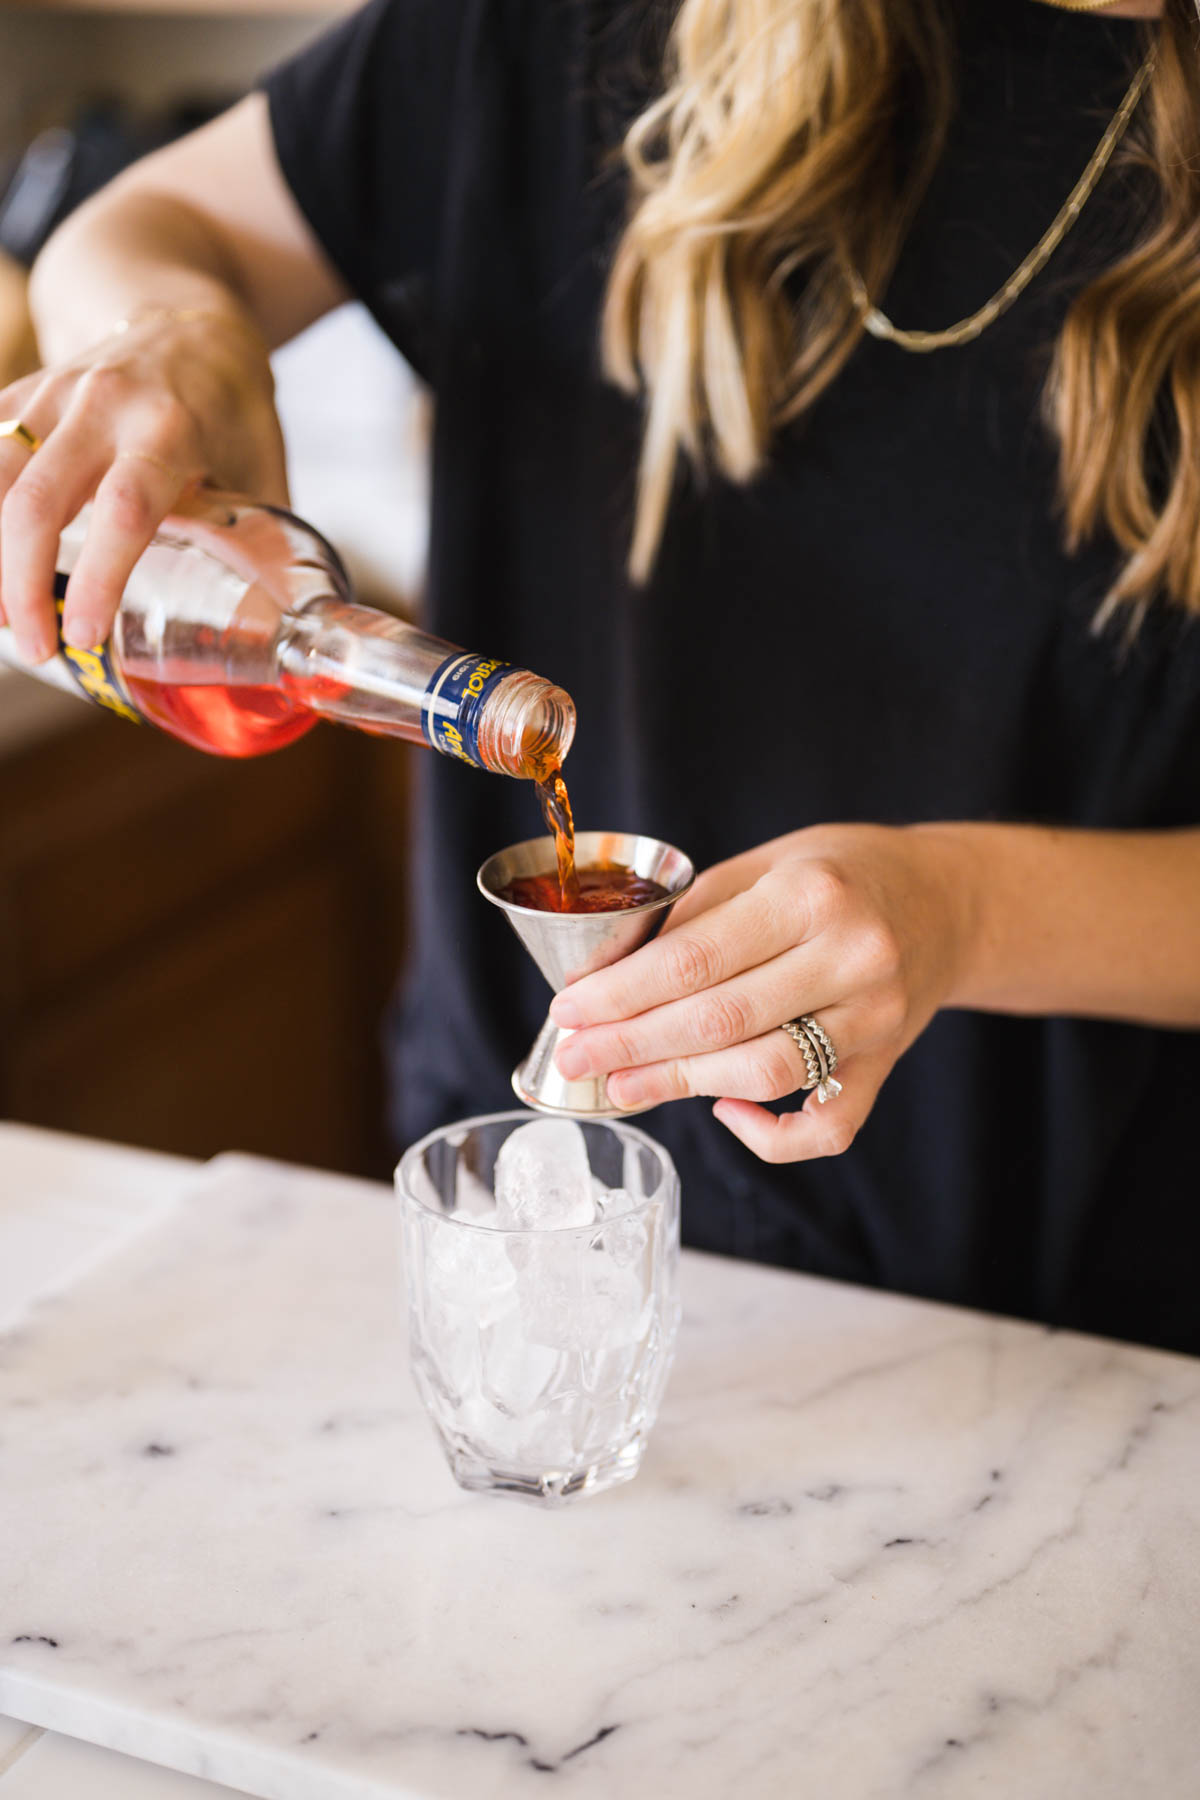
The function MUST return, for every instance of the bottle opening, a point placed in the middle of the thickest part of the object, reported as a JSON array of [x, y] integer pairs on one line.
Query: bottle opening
[[527, 727]]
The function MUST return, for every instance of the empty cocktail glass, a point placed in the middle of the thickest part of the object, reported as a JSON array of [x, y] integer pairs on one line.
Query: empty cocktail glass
[[542, 1274]]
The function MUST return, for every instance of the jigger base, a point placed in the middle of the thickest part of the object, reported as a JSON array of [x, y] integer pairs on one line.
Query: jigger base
[[536, 1082]]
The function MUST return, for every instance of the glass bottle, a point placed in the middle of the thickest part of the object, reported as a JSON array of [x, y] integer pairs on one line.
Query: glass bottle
[[237, 632]]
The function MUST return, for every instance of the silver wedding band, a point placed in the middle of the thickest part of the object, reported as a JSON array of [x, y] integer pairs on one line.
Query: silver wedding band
[[820, 1057]]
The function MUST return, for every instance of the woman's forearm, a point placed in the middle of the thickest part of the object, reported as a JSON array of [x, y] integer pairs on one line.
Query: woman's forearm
[[156, 305], [124, 253], [206, 223], [1098, 923]]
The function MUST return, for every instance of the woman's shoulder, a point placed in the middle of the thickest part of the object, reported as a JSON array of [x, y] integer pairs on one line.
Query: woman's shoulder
[[435, 55], [418, 128]]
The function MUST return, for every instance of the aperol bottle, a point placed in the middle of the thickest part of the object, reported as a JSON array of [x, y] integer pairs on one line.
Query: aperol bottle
[[237, 632]]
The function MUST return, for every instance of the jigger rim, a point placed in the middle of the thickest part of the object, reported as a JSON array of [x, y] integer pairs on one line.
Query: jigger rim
[[581, 838]]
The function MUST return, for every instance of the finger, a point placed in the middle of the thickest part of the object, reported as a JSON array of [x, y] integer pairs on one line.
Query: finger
[[18, 402], [716, 1019], [131, 502], [738, 934], [720, 883], [46, 495], [26, 402], [815, 1130], [767, 1067]]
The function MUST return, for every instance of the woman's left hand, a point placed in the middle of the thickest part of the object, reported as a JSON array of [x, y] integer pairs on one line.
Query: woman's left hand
[[866, 927]]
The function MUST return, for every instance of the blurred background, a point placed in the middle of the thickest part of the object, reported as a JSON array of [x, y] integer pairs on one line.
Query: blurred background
[[196, 955]]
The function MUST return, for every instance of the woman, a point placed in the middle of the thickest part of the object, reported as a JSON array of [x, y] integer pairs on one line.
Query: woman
[[802, 573]]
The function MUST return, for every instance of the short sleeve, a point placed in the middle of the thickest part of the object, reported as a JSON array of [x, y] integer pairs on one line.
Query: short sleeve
[[361, 120]]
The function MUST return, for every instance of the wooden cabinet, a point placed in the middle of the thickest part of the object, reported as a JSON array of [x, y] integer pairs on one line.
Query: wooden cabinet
[[197, 953]]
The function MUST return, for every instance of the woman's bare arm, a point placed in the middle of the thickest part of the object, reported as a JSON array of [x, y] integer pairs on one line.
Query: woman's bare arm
[[155, 305], [874, 928], [208, 221]]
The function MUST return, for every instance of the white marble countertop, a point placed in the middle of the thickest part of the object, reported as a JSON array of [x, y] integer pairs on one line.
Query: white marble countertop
[[877, 1547], [65, 1201]]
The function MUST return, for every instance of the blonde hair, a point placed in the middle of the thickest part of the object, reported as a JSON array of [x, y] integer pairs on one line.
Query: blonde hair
[[773, 152]]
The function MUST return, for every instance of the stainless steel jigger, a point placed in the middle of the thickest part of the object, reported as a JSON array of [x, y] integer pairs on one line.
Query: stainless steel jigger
[[566, 946]]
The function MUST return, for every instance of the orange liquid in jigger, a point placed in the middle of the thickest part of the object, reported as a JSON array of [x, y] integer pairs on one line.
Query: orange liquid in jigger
[[605, 888]]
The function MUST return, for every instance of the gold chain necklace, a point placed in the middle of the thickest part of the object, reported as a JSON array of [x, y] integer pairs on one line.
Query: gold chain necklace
[[1080, 5], [880, 326]]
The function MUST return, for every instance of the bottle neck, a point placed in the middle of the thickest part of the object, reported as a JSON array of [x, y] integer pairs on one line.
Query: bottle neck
[[362, 667]]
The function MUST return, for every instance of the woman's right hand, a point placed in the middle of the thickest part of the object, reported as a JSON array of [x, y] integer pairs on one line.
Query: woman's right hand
[[134, 425]]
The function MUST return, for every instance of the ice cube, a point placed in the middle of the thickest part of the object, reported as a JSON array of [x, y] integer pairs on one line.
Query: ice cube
[[624, 1238], [611, 1201], [472, 1195], [542, 1178], [549, 1441], [467, 1267], [576, 1298], [515, 1373]]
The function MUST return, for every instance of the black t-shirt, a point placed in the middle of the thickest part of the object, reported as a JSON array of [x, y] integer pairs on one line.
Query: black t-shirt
[[884, 627]]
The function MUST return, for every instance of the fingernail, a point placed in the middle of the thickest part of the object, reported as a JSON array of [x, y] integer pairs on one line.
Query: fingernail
[[564, 1012], [572, 1061], [35, 649], [626, 1090], [82, 634]]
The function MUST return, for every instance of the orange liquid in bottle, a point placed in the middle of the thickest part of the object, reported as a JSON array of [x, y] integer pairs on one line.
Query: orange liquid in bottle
[[225, 721]]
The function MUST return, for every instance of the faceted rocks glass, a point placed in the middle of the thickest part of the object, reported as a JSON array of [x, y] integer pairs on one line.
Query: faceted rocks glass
[[540, 1354]]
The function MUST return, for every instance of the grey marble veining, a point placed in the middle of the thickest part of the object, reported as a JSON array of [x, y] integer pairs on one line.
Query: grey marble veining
[[877, 1548]]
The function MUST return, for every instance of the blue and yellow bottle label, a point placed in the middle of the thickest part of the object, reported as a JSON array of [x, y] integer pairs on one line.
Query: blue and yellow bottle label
[[93, 671], [454, 701]]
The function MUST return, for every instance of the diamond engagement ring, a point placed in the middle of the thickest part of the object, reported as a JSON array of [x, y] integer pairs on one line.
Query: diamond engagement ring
[[820, 1057]]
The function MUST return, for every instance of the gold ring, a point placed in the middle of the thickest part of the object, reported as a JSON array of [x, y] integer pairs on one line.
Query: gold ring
[[20, 433]]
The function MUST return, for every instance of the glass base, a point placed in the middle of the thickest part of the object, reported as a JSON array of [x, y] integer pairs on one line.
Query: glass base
[[548, 1487]]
